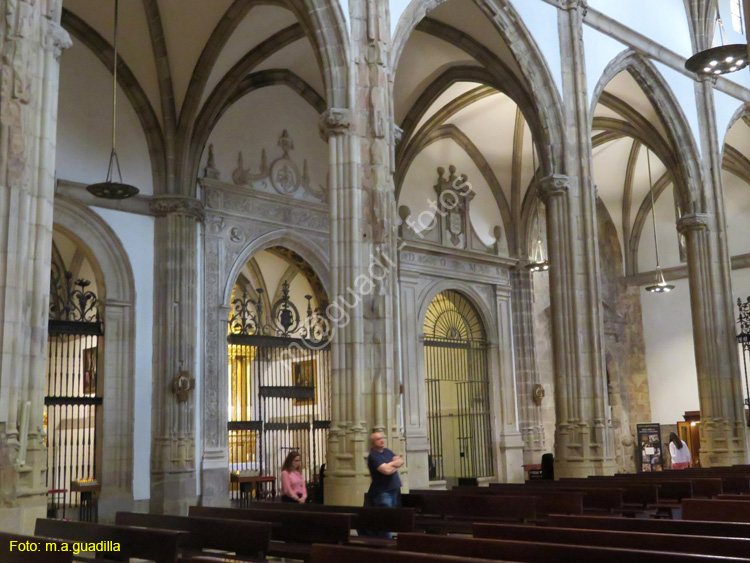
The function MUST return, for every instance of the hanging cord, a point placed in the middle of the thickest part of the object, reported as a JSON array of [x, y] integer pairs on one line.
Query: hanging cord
[[113, 154], [653, 211]]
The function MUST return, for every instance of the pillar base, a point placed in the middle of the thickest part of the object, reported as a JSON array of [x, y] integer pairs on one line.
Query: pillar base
[[21, 519], [215, 487], [509, 457], [721, 444], [172, 493], [581, 451]]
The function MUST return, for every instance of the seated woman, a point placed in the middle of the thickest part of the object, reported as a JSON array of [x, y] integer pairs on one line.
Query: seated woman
[[293, 487], [679, 451]]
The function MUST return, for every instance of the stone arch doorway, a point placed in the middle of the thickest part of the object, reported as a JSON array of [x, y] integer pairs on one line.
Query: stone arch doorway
[[457, 390], [279, 388]]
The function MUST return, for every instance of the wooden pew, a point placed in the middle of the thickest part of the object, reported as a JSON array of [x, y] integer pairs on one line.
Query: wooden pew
[[548, 500], [670, 490], [534, 552], [634, 494], [704, 486], [705, 545], [39, 556], [594, 498], [160, 546], [446, 513], [686, 527], [375, 518], [245, 538], [716, 510], [743, 498], [340, 554], [293, 532]]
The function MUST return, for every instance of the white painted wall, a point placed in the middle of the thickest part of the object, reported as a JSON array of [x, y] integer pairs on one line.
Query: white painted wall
[[137, 235], [670, 354], [84, 125]]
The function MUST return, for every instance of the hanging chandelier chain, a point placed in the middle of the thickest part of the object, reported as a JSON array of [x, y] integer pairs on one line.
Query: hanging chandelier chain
[[114, 83], [653, 207]]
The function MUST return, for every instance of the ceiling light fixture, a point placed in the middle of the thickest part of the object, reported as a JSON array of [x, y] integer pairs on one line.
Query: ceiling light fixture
[[719, 60], [110, 189], [539, 262], [661, 286]]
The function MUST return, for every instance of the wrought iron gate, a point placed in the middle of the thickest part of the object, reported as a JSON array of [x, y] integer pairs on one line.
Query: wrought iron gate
[[279, 386], [743, 339], [457, 383], [73, 402]]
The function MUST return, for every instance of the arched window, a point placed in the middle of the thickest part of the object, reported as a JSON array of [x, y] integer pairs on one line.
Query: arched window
[[457, 383]]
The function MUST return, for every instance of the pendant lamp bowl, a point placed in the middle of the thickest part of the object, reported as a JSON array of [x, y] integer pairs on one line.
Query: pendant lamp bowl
[[112, 190], [719, 60], [542, 266], [658, 288]]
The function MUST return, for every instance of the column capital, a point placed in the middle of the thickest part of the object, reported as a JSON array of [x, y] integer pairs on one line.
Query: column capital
[[552, 185], [571, 5], [334, 121], [692, 222], [164, 205]]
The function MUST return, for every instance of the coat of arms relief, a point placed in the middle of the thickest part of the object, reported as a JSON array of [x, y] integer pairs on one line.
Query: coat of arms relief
[[282, 175]]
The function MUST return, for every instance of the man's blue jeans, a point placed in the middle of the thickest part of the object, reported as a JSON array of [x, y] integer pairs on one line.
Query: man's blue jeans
[[387, 499]]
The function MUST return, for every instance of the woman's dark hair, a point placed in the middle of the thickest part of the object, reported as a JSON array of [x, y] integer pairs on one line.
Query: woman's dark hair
[[291, 456], [675, 440]]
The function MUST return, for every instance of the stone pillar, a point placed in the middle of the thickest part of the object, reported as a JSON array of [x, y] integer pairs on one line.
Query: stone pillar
[[173, 486], [31, 40], [529, 412], [363, 258], [584, 441]]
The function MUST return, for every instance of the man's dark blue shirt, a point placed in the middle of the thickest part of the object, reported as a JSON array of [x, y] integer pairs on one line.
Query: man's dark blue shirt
[[380, 482]]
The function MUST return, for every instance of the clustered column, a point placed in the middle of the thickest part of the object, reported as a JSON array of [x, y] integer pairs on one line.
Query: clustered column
[[31, 40], [175, 338]]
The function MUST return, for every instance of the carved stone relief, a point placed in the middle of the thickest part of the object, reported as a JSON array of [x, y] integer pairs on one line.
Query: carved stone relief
[[282, 176]]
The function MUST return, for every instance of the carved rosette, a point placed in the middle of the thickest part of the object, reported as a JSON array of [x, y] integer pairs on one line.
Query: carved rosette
[[334, 121], [552, 186], [692, 222], [161, 206]]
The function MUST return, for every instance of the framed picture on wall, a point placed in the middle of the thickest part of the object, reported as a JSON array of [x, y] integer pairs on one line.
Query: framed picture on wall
[[304, 376]]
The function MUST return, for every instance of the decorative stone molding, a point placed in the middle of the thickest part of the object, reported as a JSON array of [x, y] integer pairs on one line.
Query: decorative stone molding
[[398, 134], [692, 222], [575, 5], [161, 206], [56, 39], [553, 185], [465, 265], [334, 121]]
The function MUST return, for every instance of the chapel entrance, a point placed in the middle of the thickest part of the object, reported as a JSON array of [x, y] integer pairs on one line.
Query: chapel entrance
[[457, 384]]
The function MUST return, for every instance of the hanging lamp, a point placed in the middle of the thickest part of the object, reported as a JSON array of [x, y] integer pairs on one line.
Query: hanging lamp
[[539, 262], [109, 189], [660, 285], [719, 60]]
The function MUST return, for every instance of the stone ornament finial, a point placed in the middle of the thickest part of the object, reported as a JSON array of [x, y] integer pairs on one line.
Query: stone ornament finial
[[334, 121], [553, 185], [210, 171], [164, 205], [56, 39], [692, 222]]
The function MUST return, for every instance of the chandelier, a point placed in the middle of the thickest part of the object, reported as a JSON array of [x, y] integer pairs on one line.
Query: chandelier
[[660, 285], [109, 189], [539, 262], [722, 59]]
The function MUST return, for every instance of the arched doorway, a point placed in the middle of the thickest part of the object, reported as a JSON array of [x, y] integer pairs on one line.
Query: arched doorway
[[74, 388], [279, 368], [458, 390]]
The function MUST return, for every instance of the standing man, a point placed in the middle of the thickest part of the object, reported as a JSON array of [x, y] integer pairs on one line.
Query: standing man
[[383, 465]]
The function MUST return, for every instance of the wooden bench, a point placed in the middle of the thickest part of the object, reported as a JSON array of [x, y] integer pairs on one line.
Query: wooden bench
[[510, 550], [634, 493], [160, 546], [594, 498], [670, 490], [245, 538], [41, 555], [340, 554], [375, 518], [451, 513], [743, 498], [686, 527], [716, 510], [548, 500], [293, 532], [706, 545]]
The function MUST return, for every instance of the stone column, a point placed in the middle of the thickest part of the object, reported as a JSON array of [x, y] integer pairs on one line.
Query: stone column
[[529, 413], [363, 259], [173, 486], [584, 441], [31, 40]]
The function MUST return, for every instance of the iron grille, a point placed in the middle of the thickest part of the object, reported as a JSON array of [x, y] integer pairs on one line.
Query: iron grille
[[457, 386]]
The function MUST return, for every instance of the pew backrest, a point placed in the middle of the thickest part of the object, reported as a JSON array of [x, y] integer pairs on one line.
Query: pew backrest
[[716, 510], [243, 537], [686, 527], [294, 527], [342, 554], [160, 546], [45, 550]]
